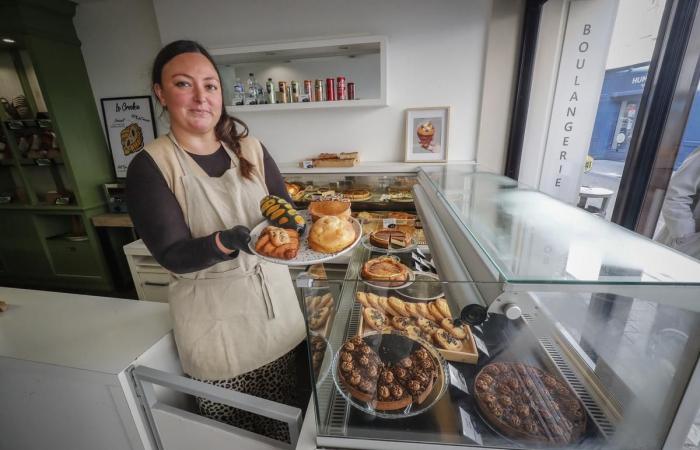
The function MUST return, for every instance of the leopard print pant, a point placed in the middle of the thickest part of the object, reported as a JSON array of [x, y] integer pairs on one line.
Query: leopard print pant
[[275, 381]]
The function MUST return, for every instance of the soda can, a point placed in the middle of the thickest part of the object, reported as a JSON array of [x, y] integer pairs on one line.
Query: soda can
[[318, 91], [295, 91], [341, 89], [330, 89], [309, 90], [283, 92], [351, 91], [270, 88]]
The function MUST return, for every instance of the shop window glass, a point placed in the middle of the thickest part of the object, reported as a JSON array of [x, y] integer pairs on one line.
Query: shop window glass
[[631, 48]]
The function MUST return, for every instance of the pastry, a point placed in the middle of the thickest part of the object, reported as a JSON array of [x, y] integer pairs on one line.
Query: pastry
[[425, 132], [357, 195], [414, 331], [386, 385], [362, 298], [318, 318], [281, 213], [427, 326], [325, 208], [528, 404], [400, 323], [446, 341], [399, 214], [458, 331], [398, 305], [412, 309], [278, 243], [384, 304], [423, 311], [331, 234], [389, 238], [373, 300], [442, 306], [312, 302], [387, 269], [293, 189], [326, 300], [375, 318], [435, 311]]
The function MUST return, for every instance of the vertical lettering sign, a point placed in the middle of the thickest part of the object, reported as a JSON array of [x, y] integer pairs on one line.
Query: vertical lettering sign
[[130, 125], [580, 79]]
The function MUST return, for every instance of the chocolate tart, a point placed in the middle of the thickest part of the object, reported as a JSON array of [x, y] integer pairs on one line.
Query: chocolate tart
[[357, 195], [387, 382], [529, 405], [388, 237]]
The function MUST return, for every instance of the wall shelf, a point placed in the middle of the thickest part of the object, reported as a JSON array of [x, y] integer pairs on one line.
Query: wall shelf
[[369, 103], [360, 59]]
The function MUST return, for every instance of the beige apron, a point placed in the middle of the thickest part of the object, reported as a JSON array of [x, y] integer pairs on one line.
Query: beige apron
[[237, 315]]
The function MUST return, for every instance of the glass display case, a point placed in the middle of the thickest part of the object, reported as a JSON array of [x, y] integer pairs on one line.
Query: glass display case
[[519, 322]]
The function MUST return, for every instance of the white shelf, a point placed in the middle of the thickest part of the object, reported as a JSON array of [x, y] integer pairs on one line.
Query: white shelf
[[368, 103]]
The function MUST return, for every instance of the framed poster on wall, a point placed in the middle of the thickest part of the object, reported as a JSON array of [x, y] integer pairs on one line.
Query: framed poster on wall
[[426, 134], [129, 124]]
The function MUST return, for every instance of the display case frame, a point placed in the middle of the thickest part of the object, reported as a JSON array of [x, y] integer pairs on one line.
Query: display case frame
[[468, 271]]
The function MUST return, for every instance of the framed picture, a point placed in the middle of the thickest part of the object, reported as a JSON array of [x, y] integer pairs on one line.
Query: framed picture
[[129, 124], [426, 134]]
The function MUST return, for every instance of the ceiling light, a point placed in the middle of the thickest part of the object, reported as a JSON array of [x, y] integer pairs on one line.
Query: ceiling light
[[8, 40]]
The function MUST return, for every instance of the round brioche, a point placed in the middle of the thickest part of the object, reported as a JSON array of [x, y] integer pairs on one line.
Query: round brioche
[[331, 234], [326, 208]]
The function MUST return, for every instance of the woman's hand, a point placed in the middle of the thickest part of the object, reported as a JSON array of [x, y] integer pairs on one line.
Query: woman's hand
[[234, 239]]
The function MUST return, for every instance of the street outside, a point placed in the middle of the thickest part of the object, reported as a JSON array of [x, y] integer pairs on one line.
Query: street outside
[[604, 174]]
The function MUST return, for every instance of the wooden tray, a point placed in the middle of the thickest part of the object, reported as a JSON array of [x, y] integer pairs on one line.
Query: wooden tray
[[469, 354]]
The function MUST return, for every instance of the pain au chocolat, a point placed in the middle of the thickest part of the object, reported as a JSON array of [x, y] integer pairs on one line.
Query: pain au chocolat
[[386, 386]]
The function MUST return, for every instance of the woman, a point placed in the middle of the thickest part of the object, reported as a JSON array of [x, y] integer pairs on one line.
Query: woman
[[193, 196]]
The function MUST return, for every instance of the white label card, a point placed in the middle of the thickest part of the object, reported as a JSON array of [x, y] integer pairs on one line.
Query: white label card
[[468, 429], [388, 223], [480, 345], [307, 164], [457, 380]]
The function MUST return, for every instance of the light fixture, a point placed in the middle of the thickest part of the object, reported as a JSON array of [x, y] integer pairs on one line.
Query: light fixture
[[8, 40]]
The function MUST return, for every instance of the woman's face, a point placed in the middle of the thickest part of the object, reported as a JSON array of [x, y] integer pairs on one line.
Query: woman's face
[[191, 91]]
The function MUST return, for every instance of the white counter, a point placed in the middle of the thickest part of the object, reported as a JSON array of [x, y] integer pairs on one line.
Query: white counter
[[79, 331], [362, 168]]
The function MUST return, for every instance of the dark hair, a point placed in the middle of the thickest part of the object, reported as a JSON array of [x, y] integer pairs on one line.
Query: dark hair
[[225, 129]]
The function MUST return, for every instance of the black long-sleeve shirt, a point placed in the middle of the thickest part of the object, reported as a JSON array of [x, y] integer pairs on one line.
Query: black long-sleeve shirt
[[160, 222]]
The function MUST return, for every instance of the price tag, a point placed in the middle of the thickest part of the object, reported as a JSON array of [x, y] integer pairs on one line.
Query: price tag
[[388, 223], [457, 380], [307, 164], [468, 429], [480, 345]]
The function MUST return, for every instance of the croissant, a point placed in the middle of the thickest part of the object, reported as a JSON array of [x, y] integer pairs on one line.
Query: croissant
[[278, 243]]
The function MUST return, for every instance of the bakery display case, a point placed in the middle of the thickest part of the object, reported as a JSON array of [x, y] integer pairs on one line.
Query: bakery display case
[[519, 322]]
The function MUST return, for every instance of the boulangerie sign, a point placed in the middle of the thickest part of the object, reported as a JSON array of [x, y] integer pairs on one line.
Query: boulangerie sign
[[581, 72], [130, 125]]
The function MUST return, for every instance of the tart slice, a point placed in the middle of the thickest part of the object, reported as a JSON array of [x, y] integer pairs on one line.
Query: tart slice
[[389, 238]]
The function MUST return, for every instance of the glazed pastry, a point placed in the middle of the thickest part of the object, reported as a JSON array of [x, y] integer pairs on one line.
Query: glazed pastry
[[325, 208], [281, 213], [330, 234], [412, 309], [445, 340], [373, 300], [278, 243], [384, 304], [423, 311]]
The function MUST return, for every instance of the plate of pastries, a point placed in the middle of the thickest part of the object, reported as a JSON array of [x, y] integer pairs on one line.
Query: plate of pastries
[[527, 404], [389, 374], [298, 238]]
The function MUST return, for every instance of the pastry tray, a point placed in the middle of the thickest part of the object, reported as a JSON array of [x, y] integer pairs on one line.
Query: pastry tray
[[469, 354]]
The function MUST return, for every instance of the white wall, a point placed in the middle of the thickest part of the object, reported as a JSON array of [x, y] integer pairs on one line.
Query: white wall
[[634, 35], [435, 58], [119, 41]]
